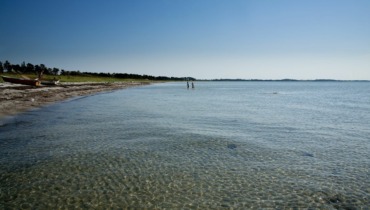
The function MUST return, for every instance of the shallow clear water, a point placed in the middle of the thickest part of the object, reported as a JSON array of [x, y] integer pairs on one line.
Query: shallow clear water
[[222, 145]]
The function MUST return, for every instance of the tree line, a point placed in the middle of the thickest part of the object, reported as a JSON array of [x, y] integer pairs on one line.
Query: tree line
[[29, 68]]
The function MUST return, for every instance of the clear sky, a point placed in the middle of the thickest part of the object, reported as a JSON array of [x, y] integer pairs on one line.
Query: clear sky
[[205, 39]]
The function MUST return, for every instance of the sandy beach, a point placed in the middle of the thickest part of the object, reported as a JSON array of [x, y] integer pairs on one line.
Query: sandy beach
[[16, 98]]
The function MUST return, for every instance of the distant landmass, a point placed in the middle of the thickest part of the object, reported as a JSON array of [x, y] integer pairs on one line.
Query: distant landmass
[[33, 69], [285, 80]]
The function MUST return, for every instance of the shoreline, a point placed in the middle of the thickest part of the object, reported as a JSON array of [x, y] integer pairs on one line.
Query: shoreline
[[15, 99]]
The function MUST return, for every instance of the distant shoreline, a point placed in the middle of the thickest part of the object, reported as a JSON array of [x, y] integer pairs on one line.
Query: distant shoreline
[[15, 99], [279, 80]]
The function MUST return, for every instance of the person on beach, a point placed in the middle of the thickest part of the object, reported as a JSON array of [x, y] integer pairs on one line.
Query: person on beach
[[187, 83], [192, 84]]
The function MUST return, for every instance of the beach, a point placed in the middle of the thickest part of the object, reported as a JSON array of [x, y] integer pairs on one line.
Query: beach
[[16, 98]]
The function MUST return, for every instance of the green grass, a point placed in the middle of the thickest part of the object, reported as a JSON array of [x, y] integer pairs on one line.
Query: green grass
[[82, 78]]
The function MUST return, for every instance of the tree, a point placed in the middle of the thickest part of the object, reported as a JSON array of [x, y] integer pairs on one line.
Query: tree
[[40, 70], [30, 68], [16, 68], [55, 71], [1, 67], [23, 67], [42, 67], [37, 70], [7, 65]]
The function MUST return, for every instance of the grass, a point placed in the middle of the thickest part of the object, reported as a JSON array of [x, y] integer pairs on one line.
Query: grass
[[80, 78]]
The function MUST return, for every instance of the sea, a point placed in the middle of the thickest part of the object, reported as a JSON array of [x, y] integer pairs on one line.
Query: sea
[[221, 145]]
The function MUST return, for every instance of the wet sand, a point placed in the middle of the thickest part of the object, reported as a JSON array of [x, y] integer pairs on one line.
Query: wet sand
[[16, 98]]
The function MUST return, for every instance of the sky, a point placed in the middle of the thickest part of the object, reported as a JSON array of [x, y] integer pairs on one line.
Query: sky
[[205, 39]]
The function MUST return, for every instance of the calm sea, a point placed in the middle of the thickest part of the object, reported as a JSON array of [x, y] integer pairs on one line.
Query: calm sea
[[240, 145]]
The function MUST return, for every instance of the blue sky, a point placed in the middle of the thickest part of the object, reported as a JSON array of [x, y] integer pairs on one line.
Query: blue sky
[[206, 39]]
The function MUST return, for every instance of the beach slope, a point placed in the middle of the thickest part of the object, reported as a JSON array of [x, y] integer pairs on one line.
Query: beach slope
[[19, 98]]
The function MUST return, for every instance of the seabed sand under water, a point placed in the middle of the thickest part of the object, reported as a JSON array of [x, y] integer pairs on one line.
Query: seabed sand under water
[[141, 149]]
